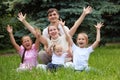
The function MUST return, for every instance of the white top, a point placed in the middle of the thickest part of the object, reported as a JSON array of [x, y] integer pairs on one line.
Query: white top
[[81, 56], [58, 59], [45, 31]]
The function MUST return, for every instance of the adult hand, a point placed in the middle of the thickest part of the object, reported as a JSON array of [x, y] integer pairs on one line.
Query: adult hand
[[21, 17], [87, 10]]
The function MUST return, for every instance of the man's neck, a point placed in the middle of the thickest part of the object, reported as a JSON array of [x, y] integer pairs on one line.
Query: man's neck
[[55, 23]]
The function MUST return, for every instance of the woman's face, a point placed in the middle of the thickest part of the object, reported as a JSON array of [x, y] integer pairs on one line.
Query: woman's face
[[53, 32], [53, 17], [27, 42], [81, 41]]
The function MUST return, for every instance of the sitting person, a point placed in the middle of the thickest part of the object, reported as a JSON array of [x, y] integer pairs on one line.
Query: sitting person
[[28, 51], [81, 53], [54, 33]]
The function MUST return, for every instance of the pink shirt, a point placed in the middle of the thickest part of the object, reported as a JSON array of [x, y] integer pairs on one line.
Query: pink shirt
[[30, 58]]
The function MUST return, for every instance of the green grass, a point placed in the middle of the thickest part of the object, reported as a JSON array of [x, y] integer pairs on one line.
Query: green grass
[[104, 59]]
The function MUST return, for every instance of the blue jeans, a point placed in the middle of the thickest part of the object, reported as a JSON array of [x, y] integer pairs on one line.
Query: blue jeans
[[53, 67]]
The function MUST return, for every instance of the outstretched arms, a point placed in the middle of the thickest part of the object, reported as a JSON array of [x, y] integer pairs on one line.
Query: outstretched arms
[[12, 39], [98, 27], [21, 18], [86, 11]]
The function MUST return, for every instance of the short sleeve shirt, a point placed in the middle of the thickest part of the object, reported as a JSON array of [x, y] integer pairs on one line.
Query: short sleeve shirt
[[81, 55], [30, 55]]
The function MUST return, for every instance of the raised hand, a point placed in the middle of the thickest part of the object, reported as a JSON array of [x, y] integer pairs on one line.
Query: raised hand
[[38, 32], [9, 29], [62, 22], [99, 25], [21, 17], [87, 10]]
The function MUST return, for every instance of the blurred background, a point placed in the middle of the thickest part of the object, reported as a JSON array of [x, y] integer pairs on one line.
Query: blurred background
[[107, 11]]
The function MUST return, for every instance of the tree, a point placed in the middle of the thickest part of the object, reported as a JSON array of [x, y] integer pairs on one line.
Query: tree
[[107, 11]]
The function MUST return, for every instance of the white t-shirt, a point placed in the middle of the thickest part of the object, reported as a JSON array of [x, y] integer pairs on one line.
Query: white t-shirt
[[58, 59], [45, 31], [81, 56]]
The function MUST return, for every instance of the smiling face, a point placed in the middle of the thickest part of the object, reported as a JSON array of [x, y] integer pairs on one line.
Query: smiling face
[[27, 42], [58, 50], [53, 15], [53, 32], [82, 40]]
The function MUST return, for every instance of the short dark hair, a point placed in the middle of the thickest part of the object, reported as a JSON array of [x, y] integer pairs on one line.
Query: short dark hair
[[51, 10]]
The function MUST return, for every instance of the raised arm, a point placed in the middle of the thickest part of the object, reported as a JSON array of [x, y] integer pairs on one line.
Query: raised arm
[[98, 27], [12, 39], [68, 37], [37, 42], [41, 39], [21, 18], [86, 11]]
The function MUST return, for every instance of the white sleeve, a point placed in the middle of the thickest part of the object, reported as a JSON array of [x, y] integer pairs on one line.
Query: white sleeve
[[45, 32], [66, 28], [90, 49], [61, 29], [74, 46]]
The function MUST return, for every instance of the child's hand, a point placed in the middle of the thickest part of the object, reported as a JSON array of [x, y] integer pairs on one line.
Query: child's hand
[[62, 22], [87, 10], [99, 25], [9, 29], [21, 17], [38, 32]]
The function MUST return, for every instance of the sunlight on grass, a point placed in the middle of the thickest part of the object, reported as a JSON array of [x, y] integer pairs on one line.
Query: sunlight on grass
[[105, 59]]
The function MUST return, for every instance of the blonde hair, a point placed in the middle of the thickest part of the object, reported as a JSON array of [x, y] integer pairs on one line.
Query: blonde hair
[[57, 46], [85, 35]]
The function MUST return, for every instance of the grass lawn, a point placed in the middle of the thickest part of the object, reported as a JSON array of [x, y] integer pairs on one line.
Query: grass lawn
[[104, 59]]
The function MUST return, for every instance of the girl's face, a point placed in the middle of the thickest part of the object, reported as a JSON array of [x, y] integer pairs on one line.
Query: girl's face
[[81, 41], [27, 42], [53, 17], [53, 32]]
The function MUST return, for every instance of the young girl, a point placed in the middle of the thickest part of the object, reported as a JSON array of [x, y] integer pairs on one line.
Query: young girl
[[54, 33], [28, 51], [81, 53]]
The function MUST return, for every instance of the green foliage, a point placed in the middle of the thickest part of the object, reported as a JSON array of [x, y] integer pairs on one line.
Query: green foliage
[[107, 11]]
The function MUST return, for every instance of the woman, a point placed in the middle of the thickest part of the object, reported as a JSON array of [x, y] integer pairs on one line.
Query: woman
[[53, 17]]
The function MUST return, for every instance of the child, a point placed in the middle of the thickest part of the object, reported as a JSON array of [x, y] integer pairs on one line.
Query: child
[[81, 53], [54, 32], [28, 51], [58, 58], [58, 54]]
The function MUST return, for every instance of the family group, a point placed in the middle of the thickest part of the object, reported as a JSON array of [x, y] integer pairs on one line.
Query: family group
[[59, 48]]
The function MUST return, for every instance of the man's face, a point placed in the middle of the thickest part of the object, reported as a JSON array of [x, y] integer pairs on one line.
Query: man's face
[[53, 17]]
